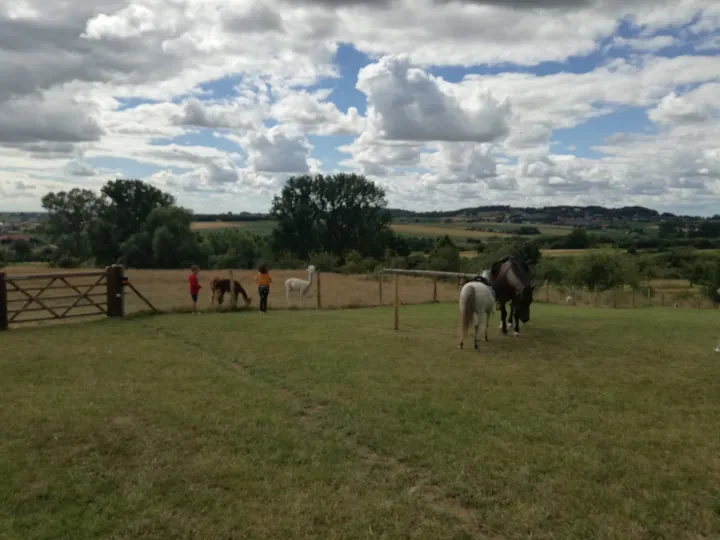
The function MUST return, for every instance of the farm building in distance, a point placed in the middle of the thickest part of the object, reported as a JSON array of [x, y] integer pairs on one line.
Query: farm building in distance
[[8, 239]]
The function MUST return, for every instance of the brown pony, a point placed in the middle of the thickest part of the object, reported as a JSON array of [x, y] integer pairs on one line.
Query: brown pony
[[511, 282], [218, 288]]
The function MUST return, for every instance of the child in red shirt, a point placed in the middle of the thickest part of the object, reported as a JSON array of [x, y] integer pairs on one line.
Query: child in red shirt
[[194, 286]]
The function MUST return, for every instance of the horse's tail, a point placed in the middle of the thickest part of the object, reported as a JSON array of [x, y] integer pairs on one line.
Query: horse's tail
[[467, 310]]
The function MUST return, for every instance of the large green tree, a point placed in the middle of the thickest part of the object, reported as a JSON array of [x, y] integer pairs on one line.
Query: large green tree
[[124, 209], [333, 214], [69, 216], [164, 241]]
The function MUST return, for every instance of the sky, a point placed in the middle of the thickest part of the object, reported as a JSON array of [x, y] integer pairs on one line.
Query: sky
[[445, 103]]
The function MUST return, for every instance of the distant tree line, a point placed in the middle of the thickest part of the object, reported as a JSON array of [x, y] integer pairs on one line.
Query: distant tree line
[[341, 223]]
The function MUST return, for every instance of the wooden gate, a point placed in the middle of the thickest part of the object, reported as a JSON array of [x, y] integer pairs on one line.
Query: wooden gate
[[48, 297]]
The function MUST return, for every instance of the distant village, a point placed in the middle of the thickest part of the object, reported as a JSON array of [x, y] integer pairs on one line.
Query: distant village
[[21, 227]]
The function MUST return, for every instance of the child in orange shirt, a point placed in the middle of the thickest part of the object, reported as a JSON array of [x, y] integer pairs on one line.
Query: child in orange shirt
[[263, 281]]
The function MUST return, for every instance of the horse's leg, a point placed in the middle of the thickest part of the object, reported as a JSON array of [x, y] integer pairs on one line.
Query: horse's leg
[[503, 316], [487, 324], [477, 323], [287, 294], [517, 325]]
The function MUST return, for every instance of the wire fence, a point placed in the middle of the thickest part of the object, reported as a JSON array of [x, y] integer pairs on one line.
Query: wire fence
[[168, 290]]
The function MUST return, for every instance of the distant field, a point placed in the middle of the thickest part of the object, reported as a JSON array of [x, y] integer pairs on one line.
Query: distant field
[[430, 229], [507, 228], [262, 228], [435, 230]]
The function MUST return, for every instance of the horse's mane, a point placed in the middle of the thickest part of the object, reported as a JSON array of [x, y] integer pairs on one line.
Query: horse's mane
[[517, 265]]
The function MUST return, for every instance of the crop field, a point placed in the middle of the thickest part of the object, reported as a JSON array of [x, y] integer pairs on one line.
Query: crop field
[[438, 229], [329, 424], [427, 229], [458, 228]]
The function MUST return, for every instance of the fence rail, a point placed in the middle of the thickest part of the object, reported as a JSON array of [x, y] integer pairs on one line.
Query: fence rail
[[168, 290], [544, 292], [19, 303]]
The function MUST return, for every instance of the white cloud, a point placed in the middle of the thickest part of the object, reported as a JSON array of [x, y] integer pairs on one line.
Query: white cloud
[[52, 118], [405, 103], [651, 44], [277, 150], [698, 106], [311, 113], [65, 72]]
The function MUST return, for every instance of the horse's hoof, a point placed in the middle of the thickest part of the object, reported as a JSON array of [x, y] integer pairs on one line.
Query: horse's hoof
[[461, 345], [516, 334]]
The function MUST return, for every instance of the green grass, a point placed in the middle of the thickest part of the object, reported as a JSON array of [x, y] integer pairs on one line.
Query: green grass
[[306, 424]]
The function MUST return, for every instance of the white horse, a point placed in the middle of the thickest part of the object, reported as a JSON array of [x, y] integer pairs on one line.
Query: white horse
[[476, 299], [302, 286]]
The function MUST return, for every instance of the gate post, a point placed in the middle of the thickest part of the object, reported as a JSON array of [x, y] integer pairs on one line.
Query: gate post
[[3, 303], [115, 296]]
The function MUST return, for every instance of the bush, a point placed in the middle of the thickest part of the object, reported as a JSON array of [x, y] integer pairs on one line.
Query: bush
[[44, 253], [526, 230], [417, 261], [65, 261], [324, 262], [286, 261], [355, 263], [445, 256]]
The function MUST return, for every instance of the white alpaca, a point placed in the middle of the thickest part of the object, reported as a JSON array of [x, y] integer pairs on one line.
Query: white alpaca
[[568, 300], [299, 285], [476, 299]]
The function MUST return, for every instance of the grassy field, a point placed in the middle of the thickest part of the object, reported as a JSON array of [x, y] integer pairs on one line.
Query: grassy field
[[330, 425]]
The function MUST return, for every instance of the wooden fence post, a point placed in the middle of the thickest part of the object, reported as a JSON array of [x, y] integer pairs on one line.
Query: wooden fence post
[[547, 292], [572, 293], [318, 294], [115, 300], [435, 280], [397, 301], [3, 303], [615, 298], [380, 280], [662, 299], [633, 298]]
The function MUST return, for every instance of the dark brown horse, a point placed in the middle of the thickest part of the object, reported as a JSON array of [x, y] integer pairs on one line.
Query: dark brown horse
[[218, 288], [511, 282]]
